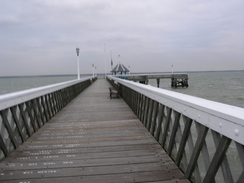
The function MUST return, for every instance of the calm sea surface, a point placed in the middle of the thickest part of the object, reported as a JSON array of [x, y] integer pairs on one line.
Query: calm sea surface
[[224, 87]]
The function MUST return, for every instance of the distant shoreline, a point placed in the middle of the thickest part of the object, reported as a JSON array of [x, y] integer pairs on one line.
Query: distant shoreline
[[65, 75]]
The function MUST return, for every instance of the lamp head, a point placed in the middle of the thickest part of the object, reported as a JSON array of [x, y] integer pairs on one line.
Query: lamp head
[[77, 51]]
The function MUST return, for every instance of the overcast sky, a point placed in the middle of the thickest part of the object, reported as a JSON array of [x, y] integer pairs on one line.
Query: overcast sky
[[39, 37]]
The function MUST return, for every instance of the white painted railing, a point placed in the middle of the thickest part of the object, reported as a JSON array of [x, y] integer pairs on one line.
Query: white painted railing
[[23, 113], [213, 131]]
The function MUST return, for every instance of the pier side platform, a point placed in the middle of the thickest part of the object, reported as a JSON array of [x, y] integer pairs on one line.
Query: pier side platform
[[93, 139], [177, 80]]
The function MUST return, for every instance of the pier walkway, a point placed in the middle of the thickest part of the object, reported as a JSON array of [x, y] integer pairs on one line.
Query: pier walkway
[[93, 139]]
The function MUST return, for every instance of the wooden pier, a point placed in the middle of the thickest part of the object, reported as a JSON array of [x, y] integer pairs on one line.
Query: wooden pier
[[93, 139], [177, 80]]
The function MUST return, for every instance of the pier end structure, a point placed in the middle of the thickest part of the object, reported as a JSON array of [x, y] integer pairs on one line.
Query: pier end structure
[[177, 80], [204, 138]]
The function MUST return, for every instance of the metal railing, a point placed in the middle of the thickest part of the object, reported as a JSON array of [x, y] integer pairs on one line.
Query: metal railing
[[204, 138], [23, 113]]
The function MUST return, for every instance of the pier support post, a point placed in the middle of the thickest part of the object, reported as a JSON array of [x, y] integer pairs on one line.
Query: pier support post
[[177, 82], [144, 81], [158, 82]]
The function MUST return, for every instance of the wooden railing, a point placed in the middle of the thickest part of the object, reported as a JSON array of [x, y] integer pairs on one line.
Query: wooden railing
[[23, 113], [204, 138]]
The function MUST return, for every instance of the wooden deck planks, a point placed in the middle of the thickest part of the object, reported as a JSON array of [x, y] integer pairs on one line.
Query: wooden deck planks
[[93, 139]]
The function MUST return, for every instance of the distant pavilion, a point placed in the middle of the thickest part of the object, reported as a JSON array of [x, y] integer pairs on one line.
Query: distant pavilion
[[120, 69]]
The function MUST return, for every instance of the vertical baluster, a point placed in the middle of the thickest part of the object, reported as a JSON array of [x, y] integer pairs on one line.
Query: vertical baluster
[[132, 95], [217, 159], [196, 152], [146, 111], [166, 127], [142, 107], [35, 112], [32, 119], [65, 96], [196, 176], [59, 107], [25, 120], [52, 104], [129, 97], [8, 128], [3, 146], [183, 141], [40, 109], [55, 102], [135, 101], [138, 105], [48, 104], [45, 111], [225, 164], [54, 110], [240, 149], [205, 153], [149, 117], [173, 133], [62, 98], [17, 123], [154, 117], [159, 121]]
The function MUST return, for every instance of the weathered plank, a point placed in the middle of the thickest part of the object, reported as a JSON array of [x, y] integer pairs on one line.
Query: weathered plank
[[93, 139]]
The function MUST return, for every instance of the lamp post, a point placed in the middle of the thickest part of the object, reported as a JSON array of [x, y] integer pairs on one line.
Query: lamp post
[[95, 71], [105, 65], [92, 70], [78, 63]]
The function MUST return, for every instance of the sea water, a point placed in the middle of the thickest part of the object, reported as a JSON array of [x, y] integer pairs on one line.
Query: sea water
[[224, 87], [13, 84]]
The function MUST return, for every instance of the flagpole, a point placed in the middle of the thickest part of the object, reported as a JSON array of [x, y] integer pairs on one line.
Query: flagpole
[[105, 61]]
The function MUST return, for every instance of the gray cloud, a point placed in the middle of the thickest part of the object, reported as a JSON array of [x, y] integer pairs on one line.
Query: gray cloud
[[40, 36]]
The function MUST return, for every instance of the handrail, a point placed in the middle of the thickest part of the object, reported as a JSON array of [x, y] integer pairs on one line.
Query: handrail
[[10, 99], [211, 129], [23, 113]]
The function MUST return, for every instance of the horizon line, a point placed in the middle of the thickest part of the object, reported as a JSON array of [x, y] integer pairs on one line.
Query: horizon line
[[53, 75]]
